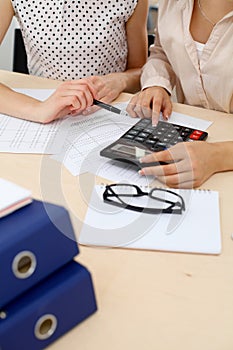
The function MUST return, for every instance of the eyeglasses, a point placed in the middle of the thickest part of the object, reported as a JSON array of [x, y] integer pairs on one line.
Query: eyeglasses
[[120, 194]]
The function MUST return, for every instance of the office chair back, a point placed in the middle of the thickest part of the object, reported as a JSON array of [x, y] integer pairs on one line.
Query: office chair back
[[151, 38], [19, 52]]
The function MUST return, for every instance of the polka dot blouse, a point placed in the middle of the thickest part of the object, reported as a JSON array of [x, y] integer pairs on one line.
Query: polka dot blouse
[[67, 39]]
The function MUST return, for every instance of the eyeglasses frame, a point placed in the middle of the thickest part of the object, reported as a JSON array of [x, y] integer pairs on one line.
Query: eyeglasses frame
[[109, 192]]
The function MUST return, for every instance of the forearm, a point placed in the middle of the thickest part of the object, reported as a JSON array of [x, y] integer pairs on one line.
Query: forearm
[[129, 80], [222, 156], [16, 104]]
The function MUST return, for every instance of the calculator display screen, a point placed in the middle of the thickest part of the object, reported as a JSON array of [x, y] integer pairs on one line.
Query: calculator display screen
[[133, 151]]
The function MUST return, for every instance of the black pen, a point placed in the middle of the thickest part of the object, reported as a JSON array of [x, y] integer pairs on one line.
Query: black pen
[[109, 107]]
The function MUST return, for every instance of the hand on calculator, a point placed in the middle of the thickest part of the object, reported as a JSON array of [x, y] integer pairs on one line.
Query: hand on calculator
[[189, 164], [149, 103]]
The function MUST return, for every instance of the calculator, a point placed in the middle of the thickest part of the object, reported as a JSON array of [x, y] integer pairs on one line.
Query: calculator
[[143, 138]]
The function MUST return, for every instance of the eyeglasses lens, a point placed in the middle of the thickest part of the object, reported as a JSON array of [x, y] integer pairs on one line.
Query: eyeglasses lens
[[124, 190]]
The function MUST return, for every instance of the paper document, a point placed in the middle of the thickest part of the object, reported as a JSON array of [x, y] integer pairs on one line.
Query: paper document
[[12, 197], [89, 134], [190, 122], [22, 136], [196, 230], [77, 141]]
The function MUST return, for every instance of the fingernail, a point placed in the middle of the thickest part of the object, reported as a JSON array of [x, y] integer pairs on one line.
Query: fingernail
[[86, 111]]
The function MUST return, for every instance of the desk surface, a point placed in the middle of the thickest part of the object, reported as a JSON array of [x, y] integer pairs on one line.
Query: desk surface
[[146, 299]]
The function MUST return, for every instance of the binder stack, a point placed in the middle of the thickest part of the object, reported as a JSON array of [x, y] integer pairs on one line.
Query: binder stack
[[43, 291]]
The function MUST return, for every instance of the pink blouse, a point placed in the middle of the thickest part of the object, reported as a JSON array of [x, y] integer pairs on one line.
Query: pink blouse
[[206, 82]]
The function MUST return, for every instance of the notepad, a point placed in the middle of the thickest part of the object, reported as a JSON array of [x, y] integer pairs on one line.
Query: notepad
[[197, 230], [12, 197]]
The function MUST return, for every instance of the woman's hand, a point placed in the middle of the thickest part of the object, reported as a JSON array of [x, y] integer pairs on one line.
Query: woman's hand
[[189, 164], [108, 86], [149, 102], [72, 97]]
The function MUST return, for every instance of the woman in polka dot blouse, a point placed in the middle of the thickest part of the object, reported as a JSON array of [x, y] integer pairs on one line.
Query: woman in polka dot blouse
[[96, 47]]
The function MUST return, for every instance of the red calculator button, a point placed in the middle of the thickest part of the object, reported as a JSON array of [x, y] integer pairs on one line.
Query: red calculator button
[[194, 136], [198, 132]]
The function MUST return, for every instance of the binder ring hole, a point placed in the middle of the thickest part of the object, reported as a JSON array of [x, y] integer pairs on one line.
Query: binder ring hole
[[24, 264], [3, 314], [45, 326]]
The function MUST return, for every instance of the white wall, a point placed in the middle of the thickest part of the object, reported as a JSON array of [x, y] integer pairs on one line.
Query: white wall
[[6, 49]]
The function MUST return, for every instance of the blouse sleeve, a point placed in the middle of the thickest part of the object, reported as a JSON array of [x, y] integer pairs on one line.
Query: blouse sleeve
[[158, 71]]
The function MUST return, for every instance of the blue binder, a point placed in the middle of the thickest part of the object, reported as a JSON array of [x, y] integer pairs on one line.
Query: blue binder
[[48, 310], [34, 241]]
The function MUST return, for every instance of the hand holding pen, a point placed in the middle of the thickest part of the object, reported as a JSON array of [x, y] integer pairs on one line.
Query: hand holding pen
[[109, 107]]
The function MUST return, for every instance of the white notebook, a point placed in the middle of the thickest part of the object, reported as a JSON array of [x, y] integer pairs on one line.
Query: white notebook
[[12, 197], [197, 230]]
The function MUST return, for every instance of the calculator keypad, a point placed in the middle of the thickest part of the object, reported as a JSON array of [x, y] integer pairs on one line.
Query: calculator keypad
[[143, 138], [163, 136]]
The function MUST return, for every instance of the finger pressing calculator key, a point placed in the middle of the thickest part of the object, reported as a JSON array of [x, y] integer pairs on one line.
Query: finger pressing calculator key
[[143, 138]]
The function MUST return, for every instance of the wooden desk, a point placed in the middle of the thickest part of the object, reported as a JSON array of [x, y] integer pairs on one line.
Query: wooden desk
[[146, 300]]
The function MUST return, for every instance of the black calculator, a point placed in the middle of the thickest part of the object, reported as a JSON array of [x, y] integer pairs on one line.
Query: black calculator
[[143, 138]]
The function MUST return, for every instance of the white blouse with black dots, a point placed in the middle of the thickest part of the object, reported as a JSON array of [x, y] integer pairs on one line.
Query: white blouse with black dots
[[74, 39]]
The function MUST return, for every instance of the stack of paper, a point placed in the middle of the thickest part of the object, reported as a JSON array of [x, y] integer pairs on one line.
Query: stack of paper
[[12, 197]]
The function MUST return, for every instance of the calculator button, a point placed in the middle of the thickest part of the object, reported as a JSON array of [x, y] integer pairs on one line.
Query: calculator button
[[173, 131], [177, 127], [195, 136], [155, 138], [157, 148], [127, 136], [184, 134], [163, 125], [171, 143], [132, 132], [137, 127], [150, 142], [164, 139], [139, 139], [198, 132], [149, 130], [143, 134], [157, 133], [161, 144]]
